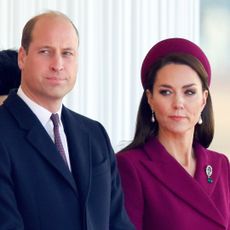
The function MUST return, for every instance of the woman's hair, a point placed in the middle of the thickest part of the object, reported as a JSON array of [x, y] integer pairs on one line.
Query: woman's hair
[[145, 128]]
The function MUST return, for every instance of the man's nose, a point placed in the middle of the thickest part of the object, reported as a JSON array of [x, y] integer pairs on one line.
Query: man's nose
[[56, 63]]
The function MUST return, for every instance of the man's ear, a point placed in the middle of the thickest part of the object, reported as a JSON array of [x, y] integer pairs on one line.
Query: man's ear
[[21, 57]]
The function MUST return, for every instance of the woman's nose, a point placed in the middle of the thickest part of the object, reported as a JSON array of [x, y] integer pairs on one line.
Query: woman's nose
[[178, 102]]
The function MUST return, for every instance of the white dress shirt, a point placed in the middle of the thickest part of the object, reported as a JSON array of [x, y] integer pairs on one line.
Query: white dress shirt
[[44, 117]]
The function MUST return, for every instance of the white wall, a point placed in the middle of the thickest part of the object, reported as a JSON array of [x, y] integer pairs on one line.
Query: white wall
[[215, 38], [114, 38]]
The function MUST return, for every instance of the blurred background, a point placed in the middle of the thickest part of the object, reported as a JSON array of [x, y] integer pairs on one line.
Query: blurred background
[[114, 38], [215, 39]]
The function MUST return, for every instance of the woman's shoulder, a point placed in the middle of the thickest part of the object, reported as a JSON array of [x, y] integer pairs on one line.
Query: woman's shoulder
[[210, 153], [131, 154], [217, 155], [218, 158]]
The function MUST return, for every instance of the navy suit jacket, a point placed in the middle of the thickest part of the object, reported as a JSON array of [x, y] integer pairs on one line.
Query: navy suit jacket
[[37, 190]]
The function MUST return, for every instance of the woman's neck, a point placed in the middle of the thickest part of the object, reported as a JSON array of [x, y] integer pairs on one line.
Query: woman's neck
[[180, 148]]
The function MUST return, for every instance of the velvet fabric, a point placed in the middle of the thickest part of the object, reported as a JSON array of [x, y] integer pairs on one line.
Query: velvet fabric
[[170, 46], [161, 195]]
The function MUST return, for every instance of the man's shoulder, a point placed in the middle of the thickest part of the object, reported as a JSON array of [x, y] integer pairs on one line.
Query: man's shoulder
[[84, 123], [78, 123], [77, 117]]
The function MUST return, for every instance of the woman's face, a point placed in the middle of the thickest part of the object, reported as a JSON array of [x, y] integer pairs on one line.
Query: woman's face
[[177, 99]]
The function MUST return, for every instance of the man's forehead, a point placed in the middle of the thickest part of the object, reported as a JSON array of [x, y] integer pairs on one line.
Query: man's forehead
[[55, 22]]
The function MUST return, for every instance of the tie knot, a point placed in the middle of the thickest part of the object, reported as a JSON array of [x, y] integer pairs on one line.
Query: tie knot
[[55, 119]]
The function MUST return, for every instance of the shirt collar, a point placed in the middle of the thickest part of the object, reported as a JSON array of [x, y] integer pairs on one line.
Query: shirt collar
[[42, 114]]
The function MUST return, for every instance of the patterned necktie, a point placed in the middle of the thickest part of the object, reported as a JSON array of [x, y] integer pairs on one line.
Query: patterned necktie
[[57, 138]]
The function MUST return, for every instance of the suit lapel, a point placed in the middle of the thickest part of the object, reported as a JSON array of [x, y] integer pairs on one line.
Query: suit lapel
[[79, 150], [38, 137], [168, 171]]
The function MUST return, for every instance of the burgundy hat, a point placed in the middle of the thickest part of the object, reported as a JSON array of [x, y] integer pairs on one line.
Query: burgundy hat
[[169, 46]]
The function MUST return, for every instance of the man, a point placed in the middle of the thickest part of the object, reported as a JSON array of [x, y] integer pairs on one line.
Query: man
[[9, 72], [73, 184]]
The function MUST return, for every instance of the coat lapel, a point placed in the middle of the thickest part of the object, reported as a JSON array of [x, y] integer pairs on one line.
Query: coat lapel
[[79, 150], [168, 171], [38, 137], [203, 160]]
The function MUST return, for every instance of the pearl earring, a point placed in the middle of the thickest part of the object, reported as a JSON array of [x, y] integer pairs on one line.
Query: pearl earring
[[200, 120], [153, 117]]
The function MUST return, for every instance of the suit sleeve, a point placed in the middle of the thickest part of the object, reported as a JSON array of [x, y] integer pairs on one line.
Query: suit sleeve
[[131, 184], [10, 217], [119, 219]]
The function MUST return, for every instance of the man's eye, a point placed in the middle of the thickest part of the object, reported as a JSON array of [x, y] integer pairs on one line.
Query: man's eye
[[68, 53], [44, 51]]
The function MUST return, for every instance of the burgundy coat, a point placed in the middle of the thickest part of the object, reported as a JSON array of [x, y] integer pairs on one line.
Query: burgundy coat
[[161, 195]]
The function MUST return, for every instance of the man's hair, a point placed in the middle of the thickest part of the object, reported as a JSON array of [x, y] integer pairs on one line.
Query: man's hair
[[10, 74], [29, 26]]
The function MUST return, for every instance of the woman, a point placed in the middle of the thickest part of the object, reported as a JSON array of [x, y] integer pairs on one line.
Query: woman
[[170, 179]]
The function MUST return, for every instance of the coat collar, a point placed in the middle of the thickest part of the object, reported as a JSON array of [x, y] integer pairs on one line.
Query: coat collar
[[37, 136], [194, 191]]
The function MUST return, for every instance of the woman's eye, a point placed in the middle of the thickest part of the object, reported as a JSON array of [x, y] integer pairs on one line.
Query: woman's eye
[[190, 92], [165, 92]]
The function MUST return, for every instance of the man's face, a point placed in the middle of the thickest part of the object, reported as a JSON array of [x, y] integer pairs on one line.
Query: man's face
[[49, 68]]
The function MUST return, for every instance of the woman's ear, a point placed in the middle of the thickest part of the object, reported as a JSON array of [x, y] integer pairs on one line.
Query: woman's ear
[[149, 96], [205, 96]]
